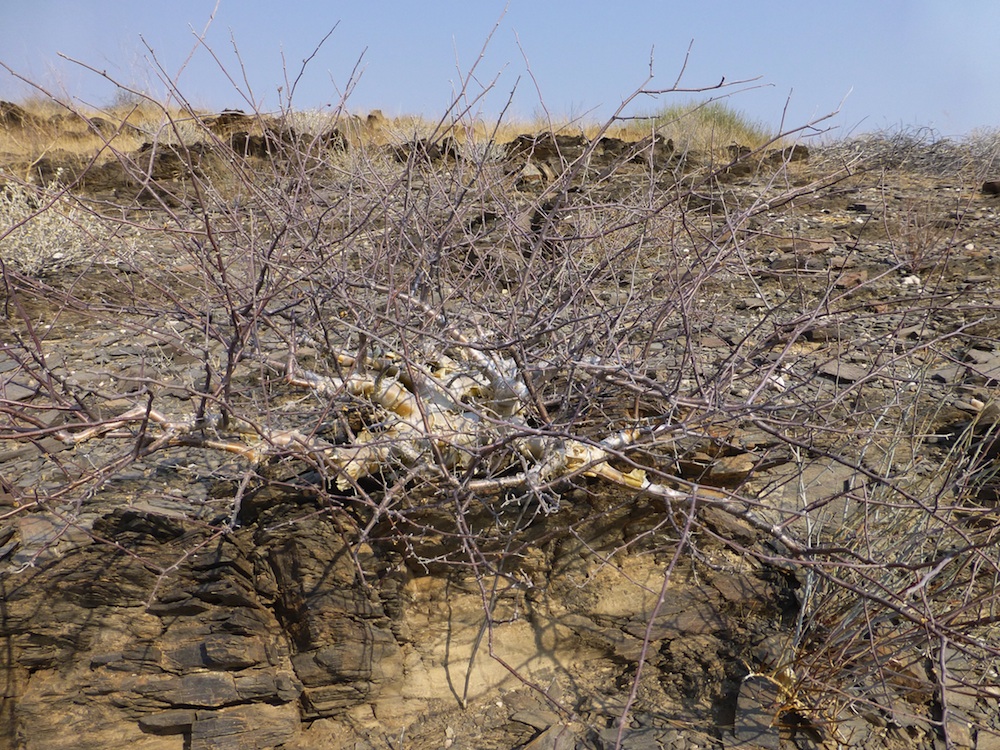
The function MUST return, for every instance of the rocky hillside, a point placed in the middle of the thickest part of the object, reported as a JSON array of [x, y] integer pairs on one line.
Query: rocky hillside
[[745, 495]]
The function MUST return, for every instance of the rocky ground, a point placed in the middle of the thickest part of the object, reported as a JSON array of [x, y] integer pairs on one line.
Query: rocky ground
[[832, 374]]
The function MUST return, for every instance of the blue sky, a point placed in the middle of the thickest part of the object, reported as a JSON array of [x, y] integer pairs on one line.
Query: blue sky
[[883, 63]]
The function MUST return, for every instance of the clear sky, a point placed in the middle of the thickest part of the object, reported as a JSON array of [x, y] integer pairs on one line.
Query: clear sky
[[883, 63]]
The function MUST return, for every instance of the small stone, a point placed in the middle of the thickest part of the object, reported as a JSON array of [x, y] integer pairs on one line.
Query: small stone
[[914, 332], [854, 731], [948, 374], [530, 176], [556, 737], [741, 589], [711, 342], [824, 333], [960, 733], [989, 414], [728, 526], [983, 367], [852, 279], [731, 469], [959, 693], [796, 262], [539, 719], [843, 372], [10, 391]]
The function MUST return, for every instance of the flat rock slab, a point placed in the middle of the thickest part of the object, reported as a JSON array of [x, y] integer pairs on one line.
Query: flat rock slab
[[253, 727], [983, 367], [13, 391], [556, 737], [757, 709], [843, 372]]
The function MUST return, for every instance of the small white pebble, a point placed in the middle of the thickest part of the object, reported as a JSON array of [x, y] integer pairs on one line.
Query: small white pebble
[[912, 280]]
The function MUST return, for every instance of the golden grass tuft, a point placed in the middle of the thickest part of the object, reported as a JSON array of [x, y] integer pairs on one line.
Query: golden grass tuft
[[710, 126]]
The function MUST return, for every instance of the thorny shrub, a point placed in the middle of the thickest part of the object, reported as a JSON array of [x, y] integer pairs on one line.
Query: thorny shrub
[[439, 353], [43, 230]]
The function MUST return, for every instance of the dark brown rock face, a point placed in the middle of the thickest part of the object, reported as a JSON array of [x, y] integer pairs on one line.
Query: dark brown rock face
[[231, 121], [245, 144], [13, 116], [102, 650], [342, 646], [548, 147], [161, 633]]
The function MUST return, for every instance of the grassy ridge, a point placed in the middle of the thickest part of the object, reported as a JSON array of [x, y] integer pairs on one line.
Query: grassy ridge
[[40, 127]]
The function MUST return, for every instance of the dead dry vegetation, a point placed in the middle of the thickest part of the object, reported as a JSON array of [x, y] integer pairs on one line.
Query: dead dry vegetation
[[547, 439]]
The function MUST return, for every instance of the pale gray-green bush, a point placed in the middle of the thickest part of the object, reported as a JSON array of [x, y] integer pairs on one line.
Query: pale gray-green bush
[[43, 231]]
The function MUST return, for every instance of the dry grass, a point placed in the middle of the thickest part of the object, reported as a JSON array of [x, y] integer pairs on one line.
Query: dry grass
[[48, 128], [52, 128], [710, 127]]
